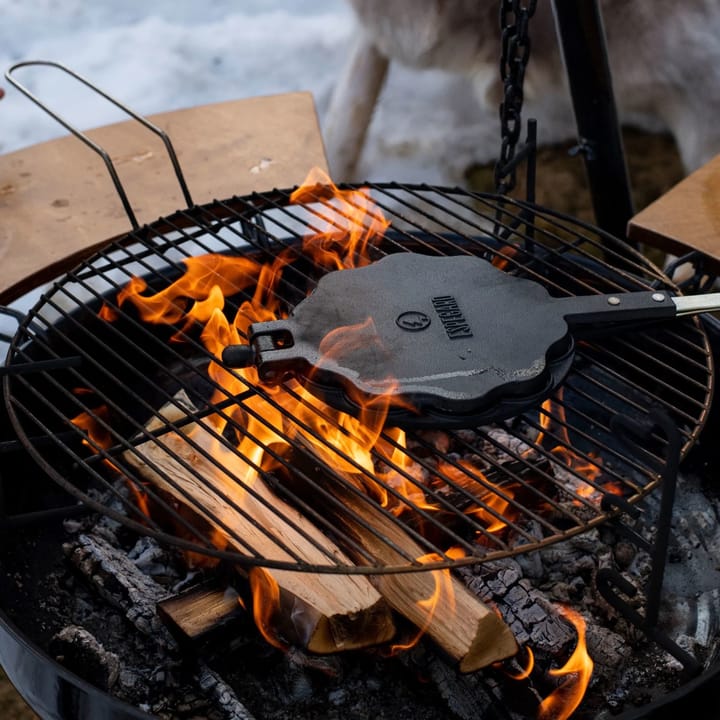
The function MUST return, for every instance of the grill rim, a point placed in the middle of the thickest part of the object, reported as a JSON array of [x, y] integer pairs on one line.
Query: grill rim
[[190, 217]]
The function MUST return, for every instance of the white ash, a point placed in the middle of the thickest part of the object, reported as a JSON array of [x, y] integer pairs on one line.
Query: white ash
[[153, 560], [464, 694], [126, 587], [119, 582], [695, 618], [212, 684], [516, 445], [694, 552], [607, 648], [72, 525]]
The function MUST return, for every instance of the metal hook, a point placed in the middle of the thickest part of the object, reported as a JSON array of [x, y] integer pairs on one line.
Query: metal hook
[[93, 145]]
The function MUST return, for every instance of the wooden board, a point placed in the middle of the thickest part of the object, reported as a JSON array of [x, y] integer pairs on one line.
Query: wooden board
[[57, 201], [685, 218]]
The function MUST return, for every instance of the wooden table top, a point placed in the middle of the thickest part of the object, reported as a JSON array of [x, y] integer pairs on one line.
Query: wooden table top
[[58, 203], [685, 218]]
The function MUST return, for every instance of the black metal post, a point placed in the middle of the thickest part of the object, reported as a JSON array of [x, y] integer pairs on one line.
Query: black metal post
[[582, 40]]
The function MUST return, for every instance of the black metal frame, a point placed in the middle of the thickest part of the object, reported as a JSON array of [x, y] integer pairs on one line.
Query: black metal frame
[[611, 584], [582, 40]]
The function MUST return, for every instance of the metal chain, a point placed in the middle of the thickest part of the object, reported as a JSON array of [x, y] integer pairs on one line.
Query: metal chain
[[514, 21]]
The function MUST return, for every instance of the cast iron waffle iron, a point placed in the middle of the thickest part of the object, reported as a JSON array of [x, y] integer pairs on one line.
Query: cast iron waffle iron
[[453, 341]]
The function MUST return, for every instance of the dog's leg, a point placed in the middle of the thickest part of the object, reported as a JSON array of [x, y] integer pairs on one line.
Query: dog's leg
[[351, 107]]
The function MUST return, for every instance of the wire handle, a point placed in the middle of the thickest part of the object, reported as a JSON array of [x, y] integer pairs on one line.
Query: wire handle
[[93, 145]]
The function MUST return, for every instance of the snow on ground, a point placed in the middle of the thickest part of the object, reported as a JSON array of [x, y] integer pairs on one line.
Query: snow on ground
[[166, 54], [158, 55]]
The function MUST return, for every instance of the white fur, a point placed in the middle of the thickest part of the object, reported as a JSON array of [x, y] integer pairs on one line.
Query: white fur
[[664, 57]]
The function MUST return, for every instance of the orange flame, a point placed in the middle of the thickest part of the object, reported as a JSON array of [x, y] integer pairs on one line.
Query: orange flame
[[266, 603], [100, 438], [140, 497], [442, 595], [350, 220], [91, 422], [501, 259], [527, 670], [563, 701], [493, 508], [590, 469], [183, 299]]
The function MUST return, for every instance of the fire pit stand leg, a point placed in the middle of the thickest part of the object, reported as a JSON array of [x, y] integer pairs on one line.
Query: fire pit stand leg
[[609, 580], [582, 41]]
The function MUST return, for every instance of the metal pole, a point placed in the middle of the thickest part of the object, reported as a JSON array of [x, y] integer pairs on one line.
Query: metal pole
[[582, 41]]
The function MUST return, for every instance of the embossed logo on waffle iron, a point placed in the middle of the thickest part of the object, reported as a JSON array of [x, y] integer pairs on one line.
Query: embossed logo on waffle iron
[[451, 317]]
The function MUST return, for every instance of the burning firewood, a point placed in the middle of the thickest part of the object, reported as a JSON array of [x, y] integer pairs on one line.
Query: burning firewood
[[472, 633], [325, 612]]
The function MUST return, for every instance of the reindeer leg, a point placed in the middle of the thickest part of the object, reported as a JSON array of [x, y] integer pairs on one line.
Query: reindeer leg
[[352, 106]]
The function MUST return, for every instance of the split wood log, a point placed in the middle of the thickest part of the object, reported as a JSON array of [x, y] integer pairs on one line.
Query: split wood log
[[469, 631], [195, 616], [323, 612]]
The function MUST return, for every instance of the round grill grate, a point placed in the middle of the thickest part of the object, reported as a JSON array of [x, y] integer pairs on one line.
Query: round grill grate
[[141, 420]]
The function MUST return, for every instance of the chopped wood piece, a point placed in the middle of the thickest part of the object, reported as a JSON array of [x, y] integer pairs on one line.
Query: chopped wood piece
[[197, 614], [324, 612], [472, 633]]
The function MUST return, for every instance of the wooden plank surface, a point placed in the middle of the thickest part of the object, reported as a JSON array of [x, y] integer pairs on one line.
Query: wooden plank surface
[[57, 201], [685, 218]]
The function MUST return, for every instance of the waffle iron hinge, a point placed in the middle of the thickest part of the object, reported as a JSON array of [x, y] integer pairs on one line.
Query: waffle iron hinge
[[271, 350]]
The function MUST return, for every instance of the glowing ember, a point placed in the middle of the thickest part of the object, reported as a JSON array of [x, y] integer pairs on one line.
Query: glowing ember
[[493, 508], [553, 417]]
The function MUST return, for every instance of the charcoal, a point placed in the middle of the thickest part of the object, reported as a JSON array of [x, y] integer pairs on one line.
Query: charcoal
[[531, 616], [224, 696], [123, 584], [80, 652]]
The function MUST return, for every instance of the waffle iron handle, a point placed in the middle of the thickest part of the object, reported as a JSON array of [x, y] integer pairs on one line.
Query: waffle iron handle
[[93, 145], [584, 310]]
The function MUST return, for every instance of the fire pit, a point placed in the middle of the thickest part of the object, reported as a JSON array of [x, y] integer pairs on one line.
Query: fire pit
[[349, 533]]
